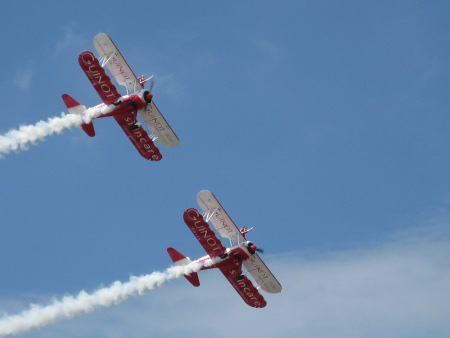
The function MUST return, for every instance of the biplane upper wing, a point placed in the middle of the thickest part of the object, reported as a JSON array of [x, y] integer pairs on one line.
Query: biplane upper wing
[[219, 217], [244, 287], [139, 137], [116, 63], [203, 233], [262, 275], [226, 227], [96, 74], [123, 74], [159, 126]]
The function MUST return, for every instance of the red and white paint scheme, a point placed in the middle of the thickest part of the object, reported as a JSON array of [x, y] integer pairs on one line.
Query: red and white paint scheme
[[123, 108], [228, 260]]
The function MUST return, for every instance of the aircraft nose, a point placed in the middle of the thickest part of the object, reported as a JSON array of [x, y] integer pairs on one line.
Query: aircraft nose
[[148, 97]]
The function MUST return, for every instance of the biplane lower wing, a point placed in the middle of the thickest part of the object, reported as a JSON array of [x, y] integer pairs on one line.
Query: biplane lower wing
[[262, 275], [124, 75], [159, 126], [203, 233], [243, 286], [227, 228], [116, 63], [219, 217], [98, 78], [139, 137]]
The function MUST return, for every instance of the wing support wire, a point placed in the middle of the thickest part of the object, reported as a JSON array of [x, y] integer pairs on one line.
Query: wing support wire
[[247, 274], [137, 83], [207, 215], [253, 279], [104, 61], [153, 137], [135, 87]]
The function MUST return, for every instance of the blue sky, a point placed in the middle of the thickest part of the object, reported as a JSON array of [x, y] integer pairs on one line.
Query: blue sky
[[323, 125]]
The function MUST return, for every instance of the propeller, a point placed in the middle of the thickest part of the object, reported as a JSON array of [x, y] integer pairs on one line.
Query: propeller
[[252, 248], [152, 83], [148, 96]]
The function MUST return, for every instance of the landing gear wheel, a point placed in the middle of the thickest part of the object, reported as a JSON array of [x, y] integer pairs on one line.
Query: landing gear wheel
[[225, 255], [135, 126], [240, 277]]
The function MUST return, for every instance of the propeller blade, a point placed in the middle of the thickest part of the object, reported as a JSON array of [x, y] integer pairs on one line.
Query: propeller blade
[[152, 83]]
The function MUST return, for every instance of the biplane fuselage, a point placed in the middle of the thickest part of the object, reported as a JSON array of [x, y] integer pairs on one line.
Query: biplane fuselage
[[124, 109], [228, 260]]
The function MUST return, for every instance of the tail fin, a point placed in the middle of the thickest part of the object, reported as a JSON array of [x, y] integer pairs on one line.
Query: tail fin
[[180, 259], [76, 108]]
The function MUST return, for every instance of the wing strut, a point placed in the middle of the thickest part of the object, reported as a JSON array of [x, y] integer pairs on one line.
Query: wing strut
[[103, 62]]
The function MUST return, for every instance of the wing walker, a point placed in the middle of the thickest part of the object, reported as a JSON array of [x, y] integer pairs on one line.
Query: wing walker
[[237, 262], [124, 109], [228, 260]]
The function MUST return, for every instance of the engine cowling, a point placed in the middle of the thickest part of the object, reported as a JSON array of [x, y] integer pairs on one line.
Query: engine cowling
[[251, 248], [147, 96]]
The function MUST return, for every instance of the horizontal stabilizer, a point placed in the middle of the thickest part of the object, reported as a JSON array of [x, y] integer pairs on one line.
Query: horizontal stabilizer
[[69, 101], [75, 108], [180, 259], [88, 129]]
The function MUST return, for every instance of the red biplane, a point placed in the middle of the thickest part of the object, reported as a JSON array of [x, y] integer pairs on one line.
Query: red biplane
[[228, 260], [124, 108]]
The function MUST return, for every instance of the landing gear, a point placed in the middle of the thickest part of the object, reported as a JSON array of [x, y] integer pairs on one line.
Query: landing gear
[[135, 126], [225, 255], [240, 277], [133, 103]]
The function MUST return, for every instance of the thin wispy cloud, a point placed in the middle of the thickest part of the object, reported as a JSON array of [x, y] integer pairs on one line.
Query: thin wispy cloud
[[271, 49], [71, 40], [171, 86], [23, 77], [397, 289]]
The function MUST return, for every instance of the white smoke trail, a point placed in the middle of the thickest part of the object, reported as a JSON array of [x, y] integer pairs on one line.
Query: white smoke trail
[[70, 306], [20, 138]]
